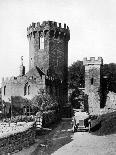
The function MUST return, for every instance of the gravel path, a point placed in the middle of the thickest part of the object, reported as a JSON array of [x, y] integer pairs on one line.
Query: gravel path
[[85, 143]]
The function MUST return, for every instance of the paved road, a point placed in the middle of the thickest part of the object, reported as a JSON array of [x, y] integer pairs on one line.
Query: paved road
[[61, 141], [86, 144]]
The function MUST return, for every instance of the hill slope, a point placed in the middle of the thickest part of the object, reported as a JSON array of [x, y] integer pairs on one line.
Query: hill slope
[[104, 124]]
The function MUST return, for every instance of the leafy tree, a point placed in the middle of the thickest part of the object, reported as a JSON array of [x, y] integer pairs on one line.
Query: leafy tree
[[109, 77], [75, 94], [76, 75], [45, 102]]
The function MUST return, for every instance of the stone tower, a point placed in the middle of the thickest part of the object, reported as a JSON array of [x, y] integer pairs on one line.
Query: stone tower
[[48, 50], [92, 83]]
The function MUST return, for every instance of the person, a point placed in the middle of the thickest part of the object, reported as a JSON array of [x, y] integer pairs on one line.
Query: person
[[39, 118]]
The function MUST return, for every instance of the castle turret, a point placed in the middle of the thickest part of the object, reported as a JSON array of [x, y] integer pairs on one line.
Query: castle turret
[[92, 83], [22, 67], [48, 45], [48, 49]]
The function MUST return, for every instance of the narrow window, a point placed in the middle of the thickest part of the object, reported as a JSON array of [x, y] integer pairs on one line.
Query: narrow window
[[25, 89], [41, 42], [91, 81], [28, 89], [4, 90]]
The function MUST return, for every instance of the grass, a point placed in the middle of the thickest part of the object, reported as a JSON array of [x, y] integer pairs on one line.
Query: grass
[[104, 124]]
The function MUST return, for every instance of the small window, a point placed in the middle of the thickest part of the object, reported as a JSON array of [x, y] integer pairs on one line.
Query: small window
[[28, 89], [91, 81], [41, 42], [4, 90], [25, 89]]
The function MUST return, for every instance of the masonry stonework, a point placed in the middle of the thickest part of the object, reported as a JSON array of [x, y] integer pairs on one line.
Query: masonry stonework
[[92, 83], [48, 63], [17, 141]]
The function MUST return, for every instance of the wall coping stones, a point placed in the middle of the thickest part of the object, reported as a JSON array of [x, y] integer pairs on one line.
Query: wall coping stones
[[6, 130]]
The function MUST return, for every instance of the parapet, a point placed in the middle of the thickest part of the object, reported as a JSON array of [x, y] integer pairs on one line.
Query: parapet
[[92, 61], [53, 28]]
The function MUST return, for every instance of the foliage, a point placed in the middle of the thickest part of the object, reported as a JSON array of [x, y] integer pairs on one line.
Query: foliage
[[109, 71], [49, 117], [76, 75], [73, 98], [108, 82], [104, 124], [49, 106], [44, 102], [78, 98]]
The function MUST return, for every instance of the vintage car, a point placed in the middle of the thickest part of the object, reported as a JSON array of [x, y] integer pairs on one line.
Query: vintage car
[[81, 121]]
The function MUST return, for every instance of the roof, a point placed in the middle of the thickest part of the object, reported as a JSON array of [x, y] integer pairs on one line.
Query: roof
[[35, 71]]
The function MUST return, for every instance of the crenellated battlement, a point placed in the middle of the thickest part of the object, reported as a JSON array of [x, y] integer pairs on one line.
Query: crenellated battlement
[[10, 79], [50, 28], [92, 61]]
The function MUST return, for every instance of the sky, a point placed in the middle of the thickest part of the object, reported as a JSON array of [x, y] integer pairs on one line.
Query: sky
[[92, 26]]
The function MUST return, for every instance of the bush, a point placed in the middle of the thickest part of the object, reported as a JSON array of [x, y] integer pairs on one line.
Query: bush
[[49, 117], [49, 107], [104, 124], [44, 102]]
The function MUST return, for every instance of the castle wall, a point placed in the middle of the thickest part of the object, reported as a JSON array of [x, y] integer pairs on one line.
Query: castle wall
[[48, 58], [52, 59], [38, 57], [42, 55], [57, 54], [17, 86], [92, 83], [17, 141]]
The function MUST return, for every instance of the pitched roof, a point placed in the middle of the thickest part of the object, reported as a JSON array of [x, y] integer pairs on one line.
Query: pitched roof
[[35, 71]]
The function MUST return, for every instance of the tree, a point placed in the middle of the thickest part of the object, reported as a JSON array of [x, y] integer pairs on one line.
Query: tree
[[109, 71], [76, 75]]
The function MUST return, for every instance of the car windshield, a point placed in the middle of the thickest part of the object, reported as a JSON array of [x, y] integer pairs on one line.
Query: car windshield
[[81, 115]]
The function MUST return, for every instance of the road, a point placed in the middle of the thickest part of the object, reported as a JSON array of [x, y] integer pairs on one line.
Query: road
[[61, 141], [87, 144]]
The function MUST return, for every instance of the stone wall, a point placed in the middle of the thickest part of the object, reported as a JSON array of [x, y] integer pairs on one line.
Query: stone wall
[[16, 86], [55, 40], [58, 64], [48, 59], [92, 83], [53, 58], [17, 141]]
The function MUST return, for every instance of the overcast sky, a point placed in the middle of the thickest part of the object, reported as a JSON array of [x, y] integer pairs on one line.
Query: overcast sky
[[92, 26]]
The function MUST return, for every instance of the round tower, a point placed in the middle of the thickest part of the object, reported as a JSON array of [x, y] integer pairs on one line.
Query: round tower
[[48, 45], [48, 49]]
